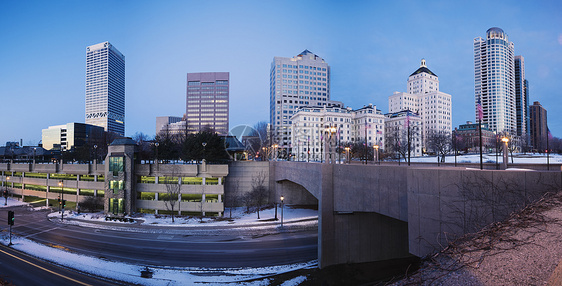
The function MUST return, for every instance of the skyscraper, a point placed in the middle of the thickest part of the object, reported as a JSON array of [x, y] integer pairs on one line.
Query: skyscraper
[[494, 81], [207, 101], [303, 80], [521, 97], [538, 126], [105, 87]]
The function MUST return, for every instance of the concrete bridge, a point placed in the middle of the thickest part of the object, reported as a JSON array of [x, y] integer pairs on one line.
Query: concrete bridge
[[375, 213]]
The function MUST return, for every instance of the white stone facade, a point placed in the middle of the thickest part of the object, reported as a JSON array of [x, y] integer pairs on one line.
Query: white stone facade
[[424, 98], [318, 130], [398, 126]]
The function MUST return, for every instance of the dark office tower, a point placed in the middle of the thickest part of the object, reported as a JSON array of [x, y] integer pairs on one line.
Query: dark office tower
[[521, 99], [539, 127], [105, 88], [207, 101]]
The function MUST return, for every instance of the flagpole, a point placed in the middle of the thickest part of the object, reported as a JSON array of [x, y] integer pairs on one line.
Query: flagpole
[[547, 150], [365, 141], [480, 116]]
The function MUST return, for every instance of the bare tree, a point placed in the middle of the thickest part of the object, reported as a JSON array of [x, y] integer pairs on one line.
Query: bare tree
[[231, 197], [439, 142], [144, 143], [259, 191], [173, 191]]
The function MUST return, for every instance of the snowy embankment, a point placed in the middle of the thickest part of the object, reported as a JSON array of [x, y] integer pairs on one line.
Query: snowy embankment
[[518, 158], [131, 273]]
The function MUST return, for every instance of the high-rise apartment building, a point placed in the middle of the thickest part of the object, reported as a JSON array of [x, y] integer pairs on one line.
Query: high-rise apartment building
[[105, 87], [494, 81], [424, 98], [538, 126], [207, 101], [303, 80], [521, 97]]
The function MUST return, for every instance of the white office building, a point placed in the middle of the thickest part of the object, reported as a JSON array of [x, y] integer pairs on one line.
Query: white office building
[[105, 88], [317, 131], [401, 128], [303, 80], [494, 81], [425, 99]]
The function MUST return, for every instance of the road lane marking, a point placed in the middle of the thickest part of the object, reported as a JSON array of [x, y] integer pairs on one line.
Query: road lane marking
[[45, 269], [32, 234]]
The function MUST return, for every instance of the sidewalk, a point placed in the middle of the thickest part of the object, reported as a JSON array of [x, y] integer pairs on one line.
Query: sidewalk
[[194, 226]]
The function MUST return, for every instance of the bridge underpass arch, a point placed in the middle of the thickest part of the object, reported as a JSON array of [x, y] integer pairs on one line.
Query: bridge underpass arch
[[294, 193]]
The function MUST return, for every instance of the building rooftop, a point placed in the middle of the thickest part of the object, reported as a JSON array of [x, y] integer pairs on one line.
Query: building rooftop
[[423, 68]]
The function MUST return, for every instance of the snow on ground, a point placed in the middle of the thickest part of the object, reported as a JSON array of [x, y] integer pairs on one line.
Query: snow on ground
[[161, 276], [518, 158], [295, 281], [171, 276], [239, 218], [10, 203]]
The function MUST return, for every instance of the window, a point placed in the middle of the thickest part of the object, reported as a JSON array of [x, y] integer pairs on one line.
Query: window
[[116, 165], [116, 186]]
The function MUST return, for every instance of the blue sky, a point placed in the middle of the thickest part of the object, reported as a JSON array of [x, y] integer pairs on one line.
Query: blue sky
[[371, 46]]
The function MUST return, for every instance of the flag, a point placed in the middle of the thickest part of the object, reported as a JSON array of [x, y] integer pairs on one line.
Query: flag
[[549, 134], [379, 132], [407, 120], [480, 111]]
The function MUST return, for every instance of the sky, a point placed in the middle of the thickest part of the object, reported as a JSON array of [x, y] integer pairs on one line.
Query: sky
[[371, 46]]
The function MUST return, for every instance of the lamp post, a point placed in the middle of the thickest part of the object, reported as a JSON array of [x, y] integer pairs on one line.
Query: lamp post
[[347, 157], [376, 158], [34, 150], [62, 202], [282, 202], [5, 193], [156, 144], [204, 150], [332, 132], [505, 141], [497, 139], [274, 146], [95, 154]]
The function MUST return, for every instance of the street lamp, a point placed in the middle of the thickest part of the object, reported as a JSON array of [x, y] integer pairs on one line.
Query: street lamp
[[505, 141], [347, 149], [156, 144], [376, 147], [95, 154], [332, 132], [274, 146], [282, 198], [6, 191], [62, 202], [204, 150]]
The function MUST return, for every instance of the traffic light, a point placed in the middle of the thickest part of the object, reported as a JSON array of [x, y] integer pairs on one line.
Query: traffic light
[[11, 218], [63, 203]]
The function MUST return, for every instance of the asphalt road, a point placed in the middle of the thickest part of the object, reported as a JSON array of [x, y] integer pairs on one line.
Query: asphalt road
[[176, 247], [20, 269]]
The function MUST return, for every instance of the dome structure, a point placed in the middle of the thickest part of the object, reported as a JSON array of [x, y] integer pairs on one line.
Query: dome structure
[[496, 33]]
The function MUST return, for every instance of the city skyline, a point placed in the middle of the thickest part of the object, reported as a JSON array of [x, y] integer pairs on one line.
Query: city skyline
[[369, 52]]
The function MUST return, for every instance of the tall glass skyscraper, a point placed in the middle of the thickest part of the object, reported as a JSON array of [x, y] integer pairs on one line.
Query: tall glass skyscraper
[[105, 88], [494, 81], [303, 80]]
